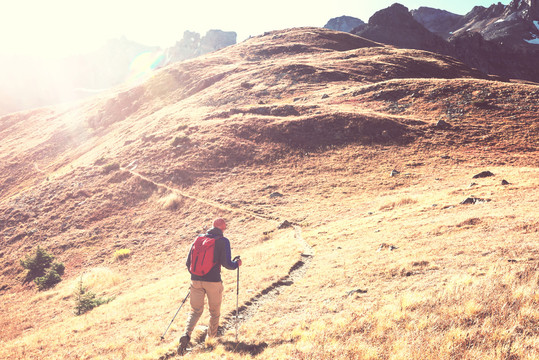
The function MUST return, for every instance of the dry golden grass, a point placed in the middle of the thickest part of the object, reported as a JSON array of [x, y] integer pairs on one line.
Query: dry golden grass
[[440, 294], [447, 291], [172, 201], [491, 317], [101, 279], [401, 202]]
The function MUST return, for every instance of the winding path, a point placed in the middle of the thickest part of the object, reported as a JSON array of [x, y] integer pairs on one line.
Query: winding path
[[249, 308]]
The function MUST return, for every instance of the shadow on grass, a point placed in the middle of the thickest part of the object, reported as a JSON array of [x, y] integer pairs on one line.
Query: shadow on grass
[[245, 348]]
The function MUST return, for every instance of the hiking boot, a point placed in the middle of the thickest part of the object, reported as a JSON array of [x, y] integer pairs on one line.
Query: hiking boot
[[184, 341]]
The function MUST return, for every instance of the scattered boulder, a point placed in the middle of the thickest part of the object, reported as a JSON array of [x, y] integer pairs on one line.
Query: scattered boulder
[[285, 110], [443, 125], [473, 201], [446, 157], [275, 195], [394, 173], [386, 246], [356, 291], [325, 96], [285, 224], [473, 184], [505, 182], [483, 174]]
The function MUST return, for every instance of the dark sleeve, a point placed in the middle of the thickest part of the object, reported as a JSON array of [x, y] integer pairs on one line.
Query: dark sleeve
[[226, 256], [188, 261]]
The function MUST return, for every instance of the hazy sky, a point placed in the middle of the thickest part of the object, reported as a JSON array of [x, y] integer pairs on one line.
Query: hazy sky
[[54, 28]]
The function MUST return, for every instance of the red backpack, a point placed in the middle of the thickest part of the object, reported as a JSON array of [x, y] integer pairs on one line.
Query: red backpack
[[202, 260]]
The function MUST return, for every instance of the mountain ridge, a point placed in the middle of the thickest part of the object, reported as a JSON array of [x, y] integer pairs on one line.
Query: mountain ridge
[[499, 40]]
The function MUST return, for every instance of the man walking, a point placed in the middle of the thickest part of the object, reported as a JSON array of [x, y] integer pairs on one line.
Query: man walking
[[206, 278]]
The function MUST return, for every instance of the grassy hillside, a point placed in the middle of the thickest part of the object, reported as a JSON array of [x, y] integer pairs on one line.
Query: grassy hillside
[[368, 151]]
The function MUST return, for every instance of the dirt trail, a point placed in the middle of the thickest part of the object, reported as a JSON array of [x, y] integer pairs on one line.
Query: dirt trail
[[248, 309], [205, 201], [296, 272]]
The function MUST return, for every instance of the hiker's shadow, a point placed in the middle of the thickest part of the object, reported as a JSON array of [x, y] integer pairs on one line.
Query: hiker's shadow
[[245, 348]]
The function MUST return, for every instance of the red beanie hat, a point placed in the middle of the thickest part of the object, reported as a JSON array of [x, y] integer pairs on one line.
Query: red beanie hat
[[219, 223]]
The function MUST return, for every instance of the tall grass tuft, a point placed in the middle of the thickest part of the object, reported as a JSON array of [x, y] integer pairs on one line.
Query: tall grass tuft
[[122, 254], [172, 201]]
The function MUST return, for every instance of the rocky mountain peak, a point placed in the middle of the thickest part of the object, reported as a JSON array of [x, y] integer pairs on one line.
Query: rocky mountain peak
[[396, 26], [396, 13], [193, 45], [440, 22], [501, 40], [527, 9], [523, 4], [343, 23]]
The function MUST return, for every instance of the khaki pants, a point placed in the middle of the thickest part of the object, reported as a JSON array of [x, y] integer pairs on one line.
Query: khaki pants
[[214, 291]]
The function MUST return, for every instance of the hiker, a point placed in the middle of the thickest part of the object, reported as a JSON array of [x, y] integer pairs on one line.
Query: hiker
[[210, 284]]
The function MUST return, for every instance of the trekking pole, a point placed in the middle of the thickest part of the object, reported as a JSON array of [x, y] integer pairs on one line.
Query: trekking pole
[[237, 296], [163, 336]]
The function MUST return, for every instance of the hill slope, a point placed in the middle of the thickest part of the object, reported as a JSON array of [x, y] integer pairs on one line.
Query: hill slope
[[304, 125]]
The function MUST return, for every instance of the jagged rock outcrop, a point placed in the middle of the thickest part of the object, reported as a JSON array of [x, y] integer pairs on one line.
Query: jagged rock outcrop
[[192, 45], [514, 25], [526, 9], [396, 26], [502, 40], [498, 40], [344, 23], [215, 40], [440, 22]]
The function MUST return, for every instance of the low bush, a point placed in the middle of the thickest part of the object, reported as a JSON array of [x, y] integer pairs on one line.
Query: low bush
[[122, 254], [47, 281], [37, 264], [42, 270], [86, 300]]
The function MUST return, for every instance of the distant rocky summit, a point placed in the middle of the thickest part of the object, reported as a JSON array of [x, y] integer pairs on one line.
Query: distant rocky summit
[[396, 26], [192, 45], [344, 23], [440, 22], [499, 40], [514, 25]]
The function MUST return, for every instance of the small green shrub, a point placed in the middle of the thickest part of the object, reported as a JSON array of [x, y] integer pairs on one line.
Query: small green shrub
[[37, 264], [87, 300], [42, 270], [47, 281], [59, 268], [122, 254]]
